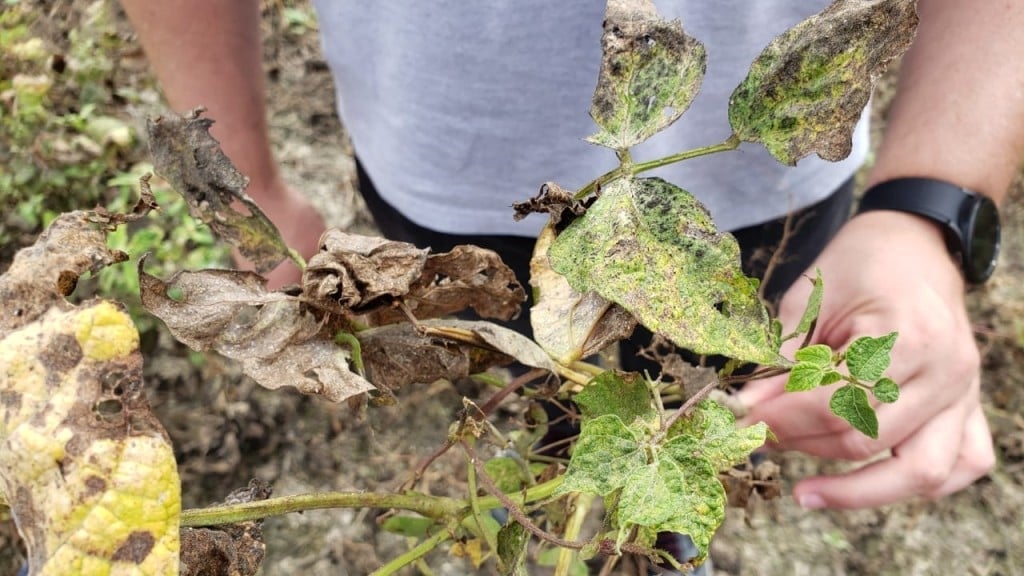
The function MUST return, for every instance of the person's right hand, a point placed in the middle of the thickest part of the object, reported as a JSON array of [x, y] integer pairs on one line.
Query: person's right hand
[[299, 223]]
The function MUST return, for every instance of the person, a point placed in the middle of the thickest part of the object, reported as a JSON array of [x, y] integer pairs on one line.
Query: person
[[458, 109]]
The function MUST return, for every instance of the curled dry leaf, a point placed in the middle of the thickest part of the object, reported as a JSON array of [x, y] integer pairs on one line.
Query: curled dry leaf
[[569, 325], [401, 354], [86, 467], [368, 275], [552, 199], [229, 550], [190, 159], [806, 90], [275, 338], [650, 73]]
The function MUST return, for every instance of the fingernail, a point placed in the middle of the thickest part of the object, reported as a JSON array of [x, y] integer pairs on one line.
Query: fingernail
[[811, 501]]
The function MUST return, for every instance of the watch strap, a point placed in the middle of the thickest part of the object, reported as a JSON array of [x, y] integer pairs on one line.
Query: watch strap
[[937, 200]]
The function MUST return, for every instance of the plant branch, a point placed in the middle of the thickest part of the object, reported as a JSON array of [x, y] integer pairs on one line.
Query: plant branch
[[730, 143], [412, 555], [581, 506], [474, 506], [684, 410], [513, 509]]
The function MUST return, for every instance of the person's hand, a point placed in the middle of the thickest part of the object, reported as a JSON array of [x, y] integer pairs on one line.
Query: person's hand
[[299, 223], [887, 271]]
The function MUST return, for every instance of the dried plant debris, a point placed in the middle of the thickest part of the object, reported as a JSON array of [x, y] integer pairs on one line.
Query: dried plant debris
[[274, 336], [368, 275], [552, 199], [41, 275], [650, 73], [806, 90], [230, 550], [402, 354], [190, 159], [567, 324], [86, 467]]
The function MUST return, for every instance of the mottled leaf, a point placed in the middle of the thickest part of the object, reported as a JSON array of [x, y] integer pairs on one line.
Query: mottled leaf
[[277, 341], [512, 542], [506, 472], [366, 274], [886, 390], [868, 357], [603, 457], [710, 432], [806, 90], [808, 376], [86, 467], [851, 404], [569, 325], [670, 495], [650, 73], [652, 248], [230, 549], [623, 394], [190, 159]]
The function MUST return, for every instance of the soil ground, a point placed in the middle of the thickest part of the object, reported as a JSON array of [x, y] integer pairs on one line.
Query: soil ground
[[227, 430]]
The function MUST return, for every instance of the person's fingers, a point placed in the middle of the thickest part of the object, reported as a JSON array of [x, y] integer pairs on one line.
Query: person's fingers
[[919, 467], [977, 455]]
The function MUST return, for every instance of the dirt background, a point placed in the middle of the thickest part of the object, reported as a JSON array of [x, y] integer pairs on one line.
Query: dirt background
[[227, 430]]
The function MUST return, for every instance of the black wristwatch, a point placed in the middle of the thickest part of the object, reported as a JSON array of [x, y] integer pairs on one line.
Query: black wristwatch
[[970, 221]]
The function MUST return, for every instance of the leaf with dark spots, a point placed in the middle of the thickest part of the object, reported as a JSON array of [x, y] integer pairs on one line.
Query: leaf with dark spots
[[652, 248], [806, 90], [275, 338], [569, 325], [650, 73], [81, 446], [368, 275], [191, 160], [227, 550], [400, 354]]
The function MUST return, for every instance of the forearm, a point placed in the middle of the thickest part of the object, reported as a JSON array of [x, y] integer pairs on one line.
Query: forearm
[[958, 114], [208, 52]]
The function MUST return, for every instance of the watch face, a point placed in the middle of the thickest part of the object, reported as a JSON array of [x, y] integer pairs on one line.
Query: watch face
[[982, 241]]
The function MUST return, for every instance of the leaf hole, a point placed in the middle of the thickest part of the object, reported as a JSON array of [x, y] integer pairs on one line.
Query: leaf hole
[[723, 308], [176, 293], [105, 409]]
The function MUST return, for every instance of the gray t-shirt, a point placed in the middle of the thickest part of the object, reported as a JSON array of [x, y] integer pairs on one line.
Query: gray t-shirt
[[458, 109]]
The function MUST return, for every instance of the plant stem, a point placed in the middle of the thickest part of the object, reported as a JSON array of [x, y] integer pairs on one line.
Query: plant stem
[[474, 505], [413, 555], [572, 532], [424, 504], [730, 143], [533, 494], [683, 410]]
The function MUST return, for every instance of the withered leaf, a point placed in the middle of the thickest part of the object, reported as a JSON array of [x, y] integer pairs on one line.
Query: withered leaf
[[559, 203], [806, 90], [367, 275], [650, 73], [41, 275], [400, 354], [277, 341], [86, 467], [569, 325], [229, 550], [190, 159]]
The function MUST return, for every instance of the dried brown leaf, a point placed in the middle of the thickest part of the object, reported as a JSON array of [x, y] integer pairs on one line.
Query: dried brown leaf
[[554, 200], [275, 338], [368, 275], [229, 550], [190, 159], [400, 354], [569, 325]]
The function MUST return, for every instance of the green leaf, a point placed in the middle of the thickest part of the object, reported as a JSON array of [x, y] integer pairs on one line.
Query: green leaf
[[650, 73], [412, 526], [625, 395], [506, 473], [710, 432], [652, 248], [806, 90], [886, 390], [818, 354], [674, 496], [868, 357], [851, 404], [512, 541], [813, 307], [603, 457], [808, 376]]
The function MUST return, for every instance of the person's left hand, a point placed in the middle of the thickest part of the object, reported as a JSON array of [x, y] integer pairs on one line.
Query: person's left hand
[[887, 271]]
